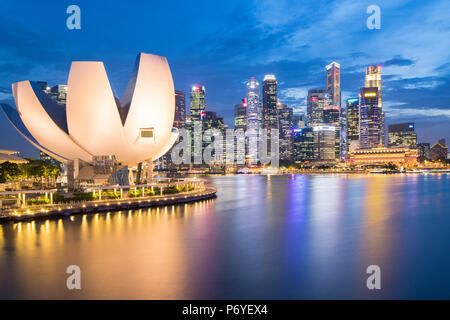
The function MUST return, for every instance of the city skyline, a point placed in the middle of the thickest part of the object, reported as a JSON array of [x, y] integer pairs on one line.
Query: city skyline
[[415, 82]]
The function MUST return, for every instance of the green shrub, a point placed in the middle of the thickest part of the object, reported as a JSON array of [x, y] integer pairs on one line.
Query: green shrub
[[38, 201]]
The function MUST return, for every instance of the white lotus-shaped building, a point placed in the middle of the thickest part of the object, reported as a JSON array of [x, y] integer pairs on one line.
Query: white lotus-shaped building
[[95, 122]]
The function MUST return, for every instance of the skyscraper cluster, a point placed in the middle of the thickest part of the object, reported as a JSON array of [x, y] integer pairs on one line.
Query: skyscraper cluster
[[329, 132]]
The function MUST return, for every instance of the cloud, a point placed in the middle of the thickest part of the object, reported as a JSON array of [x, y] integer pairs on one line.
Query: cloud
[[410, 113], [398, 61]]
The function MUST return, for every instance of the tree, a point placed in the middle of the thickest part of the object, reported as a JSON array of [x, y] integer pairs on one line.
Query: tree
[[9, 171]]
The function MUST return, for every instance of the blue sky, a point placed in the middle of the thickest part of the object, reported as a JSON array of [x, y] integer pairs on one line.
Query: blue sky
[[220, 44]]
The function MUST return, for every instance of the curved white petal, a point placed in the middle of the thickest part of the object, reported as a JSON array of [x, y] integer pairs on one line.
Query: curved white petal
[[42, 127], [92, 115], [152, 106]]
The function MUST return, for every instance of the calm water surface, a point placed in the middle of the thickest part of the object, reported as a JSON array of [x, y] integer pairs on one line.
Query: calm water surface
[[290, 237]]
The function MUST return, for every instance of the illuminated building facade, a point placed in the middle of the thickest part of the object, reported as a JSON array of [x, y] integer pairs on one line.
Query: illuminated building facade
[[303, 145], [369, 118], [382, 156], [383, 128], [333, 71], [269, 99], [402, 135], [298, 121], [240, 115], [343, 134], [285, 119], [373, 80], [198, 103], [352, 107], [180, 110], [253, 120], [324, 143], [317, 101]]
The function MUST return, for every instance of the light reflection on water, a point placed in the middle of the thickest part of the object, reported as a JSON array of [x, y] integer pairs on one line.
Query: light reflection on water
[[287, 237]]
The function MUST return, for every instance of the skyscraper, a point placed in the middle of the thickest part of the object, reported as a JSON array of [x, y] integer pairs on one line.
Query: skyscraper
[[270, 102], [240, 115], [402, 135], [370, 118], [324, 143], [197, 102], [352, 123], [331, 117], [343, 133], [317, 101], [373, 80], [298, 121], [180, 110], [285, 120], [303, 145], [383, 128], [334, 83], [253, 119]]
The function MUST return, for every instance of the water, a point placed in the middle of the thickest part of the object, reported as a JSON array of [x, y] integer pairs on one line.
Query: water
[[290, 237]]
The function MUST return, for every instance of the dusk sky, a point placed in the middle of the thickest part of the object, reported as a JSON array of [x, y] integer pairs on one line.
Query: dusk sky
[[220, 44]]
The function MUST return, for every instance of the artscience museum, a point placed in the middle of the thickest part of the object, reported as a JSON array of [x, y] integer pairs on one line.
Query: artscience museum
[[95, 126]]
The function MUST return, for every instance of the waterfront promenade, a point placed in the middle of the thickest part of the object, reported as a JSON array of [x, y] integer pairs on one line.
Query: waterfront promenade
[[123, 203]]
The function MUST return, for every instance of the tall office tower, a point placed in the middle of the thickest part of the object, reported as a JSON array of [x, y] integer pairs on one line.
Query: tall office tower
[[198, 105], [298, 121], [253, 120], [369, 118], [269, 107], [352, 124], [373, 80], [240, 122], [334, 83], [383, 128], [402, 135], [331, 117], [180, 110], [197, 102], [317, 101], [240, 115], [269, 100], [324, 143], [343, 134], [303, 145], [58, 93], [285, 125], [212, 121]]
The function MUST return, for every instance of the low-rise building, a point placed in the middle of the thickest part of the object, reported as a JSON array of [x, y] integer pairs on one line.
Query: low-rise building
[[383, 155]]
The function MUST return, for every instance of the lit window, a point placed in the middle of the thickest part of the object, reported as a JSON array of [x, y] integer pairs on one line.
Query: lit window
[[146, 134]]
